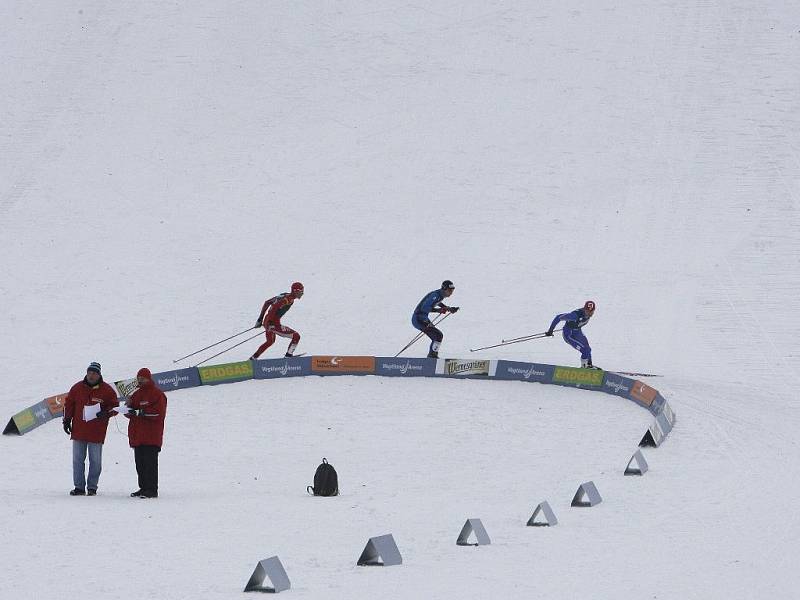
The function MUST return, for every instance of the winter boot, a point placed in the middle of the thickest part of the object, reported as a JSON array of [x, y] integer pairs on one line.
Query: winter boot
[[77, 492]]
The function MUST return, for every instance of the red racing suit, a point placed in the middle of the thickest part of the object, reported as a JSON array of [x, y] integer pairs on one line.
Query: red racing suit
[[270, 317]]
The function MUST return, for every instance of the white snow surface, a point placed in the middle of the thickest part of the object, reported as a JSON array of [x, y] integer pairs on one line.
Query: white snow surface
[[165, 166]]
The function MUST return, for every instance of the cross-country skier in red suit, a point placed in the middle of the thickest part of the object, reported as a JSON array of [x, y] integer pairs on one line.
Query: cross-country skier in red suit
[[270, 318]]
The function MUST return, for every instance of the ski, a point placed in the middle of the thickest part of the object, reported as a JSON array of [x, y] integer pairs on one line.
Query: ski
[[632, 374]]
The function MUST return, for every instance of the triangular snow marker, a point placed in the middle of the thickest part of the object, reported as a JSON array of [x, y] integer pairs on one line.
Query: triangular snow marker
[[11, 428], [272, 569], [473, 526], [653, 436], [587, 495], [548, 517], [380, 551], [641, 466]]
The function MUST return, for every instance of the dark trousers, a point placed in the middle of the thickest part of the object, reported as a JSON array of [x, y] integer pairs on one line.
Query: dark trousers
[[147, 467]]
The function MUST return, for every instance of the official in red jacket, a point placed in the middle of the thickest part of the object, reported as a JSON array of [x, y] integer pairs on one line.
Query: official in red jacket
[[147, 408], [87, 408]]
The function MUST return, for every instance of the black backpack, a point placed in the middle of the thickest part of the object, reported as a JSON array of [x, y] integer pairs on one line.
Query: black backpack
[[326, 482]]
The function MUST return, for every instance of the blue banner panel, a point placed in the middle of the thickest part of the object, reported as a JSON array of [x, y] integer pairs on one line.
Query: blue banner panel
[[617, 385], [405, 367], [282, 367], [523, 371], [177, 380]]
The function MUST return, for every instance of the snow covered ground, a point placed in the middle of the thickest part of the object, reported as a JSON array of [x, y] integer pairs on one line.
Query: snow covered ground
[[165, 167]]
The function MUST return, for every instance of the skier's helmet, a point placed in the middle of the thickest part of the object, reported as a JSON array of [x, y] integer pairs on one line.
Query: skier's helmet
[[297, 288], [448, 285], [589, 306]]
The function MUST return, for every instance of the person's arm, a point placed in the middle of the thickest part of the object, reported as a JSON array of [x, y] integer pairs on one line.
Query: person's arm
[[156, 409], [559, 318], [69, 410], [276, 307], [267, 304], [69, 405], [108, 402]]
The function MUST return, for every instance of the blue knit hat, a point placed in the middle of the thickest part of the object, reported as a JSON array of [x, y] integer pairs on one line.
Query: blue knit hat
[[95, 366]]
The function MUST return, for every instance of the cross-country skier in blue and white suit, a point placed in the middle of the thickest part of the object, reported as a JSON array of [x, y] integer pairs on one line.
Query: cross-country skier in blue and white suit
[[572, 333], [432, 302]]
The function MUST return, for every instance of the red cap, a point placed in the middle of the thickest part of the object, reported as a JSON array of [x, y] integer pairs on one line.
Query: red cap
[[145, 372]]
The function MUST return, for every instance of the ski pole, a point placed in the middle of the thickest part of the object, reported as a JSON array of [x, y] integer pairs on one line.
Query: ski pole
[[214, 344], [535, 336], [525, 337], [438, 319], [227, 349]]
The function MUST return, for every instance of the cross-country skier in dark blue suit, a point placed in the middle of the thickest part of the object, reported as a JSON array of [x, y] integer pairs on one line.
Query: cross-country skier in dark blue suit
[[572, 331], [432, 302]]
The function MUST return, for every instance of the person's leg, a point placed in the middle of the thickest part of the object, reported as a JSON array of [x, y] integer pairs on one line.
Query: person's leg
[[576, 339], [78, 464], [150, 463], [288, 332], [137, 457], [270, 340], [436, 340], [95, 465]]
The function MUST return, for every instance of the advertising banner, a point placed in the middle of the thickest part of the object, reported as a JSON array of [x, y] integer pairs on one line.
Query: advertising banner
[[282, 367], [522, 371], [643, 393], [55, 404], [617, 385], [126, 387], [179, 379], [226, 373], [577, 377], [458, 367], [405, 367], [342, 365], [30, 418]]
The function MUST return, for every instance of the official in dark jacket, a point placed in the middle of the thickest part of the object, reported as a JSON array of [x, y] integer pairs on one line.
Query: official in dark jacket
[[87, 408], [147, 408]]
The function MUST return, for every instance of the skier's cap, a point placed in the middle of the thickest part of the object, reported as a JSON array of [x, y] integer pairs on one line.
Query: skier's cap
[[448, 285], [297, 287], [95, 366], [589, 306]]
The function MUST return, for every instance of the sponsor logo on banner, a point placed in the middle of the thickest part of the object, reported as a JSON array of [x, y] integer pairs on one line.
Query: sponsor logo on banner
[[575, 376], [617, 385], [523, 371], [176, 380], [238, 371], [348, 364], [274, 368], [408, 367], [56, 404], [24, 420], [643, 393], [126, 387], [460, 368]]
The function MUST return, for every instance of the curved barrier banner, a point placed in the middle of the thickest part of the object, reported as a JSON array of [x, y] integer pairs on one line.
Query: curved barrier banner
[[286, 367], [404, 367], [589, 379]]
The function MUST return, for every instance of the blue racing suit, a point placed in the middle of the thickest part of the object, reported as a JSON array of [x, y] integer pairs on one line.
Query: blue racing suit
[[432, 302], [572, 331]]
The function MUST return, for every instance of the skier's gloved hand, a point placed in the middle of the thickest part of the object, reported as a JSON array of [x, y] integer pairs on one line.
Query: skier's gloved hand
[[258, 323], [549, 333], [454, 309], [67, 423], [103, 414]]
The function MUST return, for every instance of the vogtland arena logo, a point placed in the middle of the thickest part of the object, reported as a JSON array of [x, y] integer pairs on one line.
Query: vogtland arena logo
[[281, 370]]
